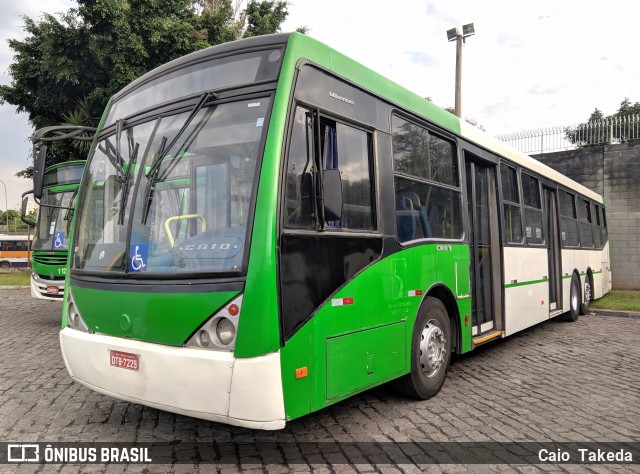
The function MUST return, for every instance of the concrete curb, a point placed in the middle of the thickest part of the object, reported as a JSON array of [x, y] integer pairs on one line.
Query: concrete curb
[[615, 314]]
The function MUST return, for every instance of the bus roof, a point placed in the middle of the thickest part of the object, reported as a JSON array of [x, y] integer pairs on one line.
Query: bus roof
[[300, 46], [373, 82]]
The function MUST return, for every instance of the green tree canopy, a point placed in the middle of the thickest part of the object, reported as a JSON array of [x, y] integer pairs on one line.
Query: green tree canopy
[[601, 130], [69, 64]]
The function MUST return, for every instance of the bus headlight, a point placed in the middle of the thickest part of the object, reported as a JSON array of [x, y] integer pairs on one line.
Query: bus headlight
[[220, 330], [204, 339], [226, 331], [74, 320]]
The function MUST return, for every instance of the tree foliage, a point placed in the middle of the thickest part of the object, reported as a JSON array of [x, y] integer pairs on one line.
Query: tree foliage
[[69, 64], [602, 130]]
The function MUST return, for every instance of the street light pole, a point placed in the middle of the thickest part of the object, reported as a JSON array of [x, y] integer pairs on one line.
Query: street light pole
[[454, 34], [6, 204], [458, 108]]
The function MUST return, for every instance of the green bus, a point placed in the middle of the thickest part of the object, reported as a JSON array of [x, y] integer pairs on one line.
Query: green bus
[[52, 229], [266, 227]]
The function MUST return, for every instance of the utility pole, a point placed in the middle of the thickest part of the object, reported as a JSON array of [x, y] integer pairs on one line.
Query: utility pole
[[454, 34]]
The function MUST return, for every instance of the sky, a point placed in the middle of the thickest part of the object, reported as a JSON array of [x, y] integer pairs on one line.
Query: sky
[[530, 64]]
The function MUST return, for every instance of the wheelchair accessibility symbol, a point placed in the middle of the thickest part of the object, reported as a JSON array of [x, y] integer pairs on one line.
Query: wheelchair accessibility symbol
[[138, 257], [58, 240]]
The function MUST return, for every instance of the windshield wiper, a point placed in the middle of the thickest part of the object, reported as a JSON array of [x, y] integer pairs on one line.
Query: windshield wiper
[[71, 206], [126, 185], [157, 160], [151, 178], [152, 174]]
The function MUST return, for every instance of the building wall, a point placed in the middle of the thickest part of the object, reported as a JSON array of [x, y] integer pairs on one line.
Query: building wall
[[614, 172]]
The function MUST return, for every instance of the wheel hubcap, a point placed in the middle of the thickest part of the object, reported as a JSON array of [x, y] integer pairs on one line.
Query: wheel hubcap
[[432, 348], [574, 298], [587, 292]]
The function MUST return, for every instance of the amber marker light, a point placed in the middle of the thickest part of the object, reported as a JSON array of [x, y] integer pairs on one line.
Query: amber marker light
[[233, 309]]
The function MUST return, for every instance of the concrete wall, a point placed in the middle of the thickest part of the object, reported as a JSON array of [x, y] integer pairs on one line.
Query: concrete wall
[[614, 172]]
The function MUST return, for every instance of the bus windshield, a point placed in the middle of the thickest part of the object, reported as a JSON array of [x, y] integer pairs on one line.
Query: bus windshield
[[54, 224], [172, 194]]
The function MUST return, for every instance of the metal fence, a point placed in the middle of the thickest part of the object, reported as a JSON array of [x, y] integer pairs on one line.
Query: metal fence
[[610, 131]]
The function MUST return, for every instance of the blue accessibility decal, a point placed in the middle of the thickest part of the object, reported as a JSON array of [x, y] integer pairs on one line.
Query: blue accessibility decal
[[58, 240], [138, 258]]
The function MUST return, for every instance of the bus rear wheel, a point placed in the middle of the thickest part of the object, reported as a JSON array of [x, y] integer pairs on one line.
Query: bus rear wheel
[[574, 301], [430, 351], [587, 294], [4, 265]]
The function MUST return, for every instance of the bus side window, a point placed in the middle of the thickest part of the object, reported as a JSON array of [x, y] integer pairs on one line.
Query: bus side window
[[511, 200], [569, 224], [298, 180], [597, 234], [532, 210], [585, 219], [348, 149], [426, 170], [342, 147]]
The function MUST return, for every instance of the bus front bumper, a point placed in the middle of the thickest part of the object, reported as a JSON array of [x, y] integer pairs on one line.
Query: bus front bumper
[[212, 385], [46, 289]]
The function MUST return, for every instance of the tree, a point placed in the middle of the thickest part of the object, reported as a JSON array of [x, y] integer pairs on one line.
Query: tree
[[11, 222], [601, 130], [69, 65]]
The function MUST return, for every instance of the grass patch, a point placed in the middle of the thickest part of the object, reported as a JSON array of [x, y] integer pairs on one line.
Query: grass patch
[[15, 279], [618, 300]]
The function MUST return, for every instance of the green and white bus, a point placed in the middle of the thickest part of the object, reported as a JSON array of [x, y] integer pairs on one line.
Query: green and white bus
[[266, 227], [50, 248]]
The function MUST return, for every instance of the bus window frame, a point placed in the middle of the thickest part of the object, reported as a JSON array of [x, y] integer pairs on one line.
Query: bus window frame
[[526, 207], [516, 168], [457, 152], [582, 221], [320, 113]]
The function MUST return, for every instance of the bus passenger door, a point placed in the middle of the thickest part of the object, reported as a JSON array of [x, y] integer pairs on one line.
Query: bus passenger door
[[484, 248], [553, 251]]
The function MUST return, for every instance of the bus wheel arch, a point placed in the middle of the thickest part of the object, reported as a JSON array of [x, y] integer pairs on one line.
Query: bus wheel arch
[[431, 345], [4, 264], [448, 300], [587, 292]]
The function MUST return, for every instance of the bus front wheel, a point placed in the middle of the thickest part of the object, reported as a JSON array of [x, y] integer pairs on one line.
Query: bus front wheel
[[430, 351]]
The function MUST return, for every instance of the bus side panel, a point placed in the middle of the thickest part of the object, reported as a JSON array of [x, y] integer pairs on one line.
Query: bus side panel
[[526, 288], [298, 372], [452, 263], [361, 336]]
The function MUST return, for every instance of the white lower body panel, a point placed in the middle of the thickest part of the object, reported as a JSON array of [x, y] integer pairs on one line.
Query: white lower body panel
[[212, 385]]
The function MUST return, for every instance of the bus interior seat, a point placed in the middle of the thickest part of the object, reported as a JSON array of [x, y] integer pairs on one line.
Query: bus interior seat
[[408, 223], [422, 213]]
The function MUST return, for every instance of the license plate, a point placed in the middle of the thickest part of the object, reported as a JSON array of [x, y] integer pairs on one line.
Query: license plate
[[53, 290], [124, 360]]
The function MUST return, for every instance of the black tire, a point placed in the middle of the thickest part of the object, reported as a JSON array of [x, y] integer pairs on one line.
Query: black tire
[[574, 301], [587, 293], [4, 265], [428, 367]]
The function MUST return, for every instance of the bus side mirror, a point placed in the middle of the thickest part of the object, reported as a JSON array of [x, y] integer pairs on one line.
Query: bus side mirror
[[23, 214], [38, 172], [332, 195]]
